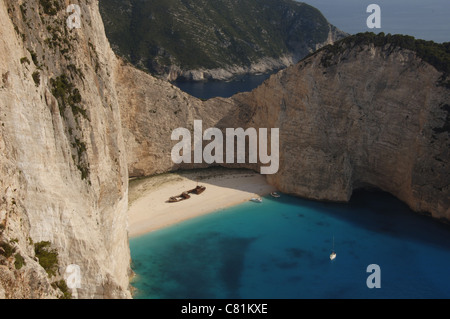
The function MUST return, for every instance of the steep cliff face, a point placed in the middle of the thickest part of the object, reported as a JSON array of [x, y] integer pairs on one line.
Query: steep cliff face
[[366, 116], [151, 109], [72, 118], [62, 159]]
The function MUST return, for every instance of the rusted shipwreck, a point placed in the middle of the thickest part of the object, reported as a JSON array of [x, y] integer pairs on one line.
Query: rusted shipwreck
[[185, 195]]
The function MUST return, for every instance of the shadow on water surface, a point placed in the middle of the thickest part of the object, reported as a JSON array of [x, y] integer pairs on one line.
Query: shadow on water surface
[[381, 212], [373, 209], [187, 268], [208, 263]]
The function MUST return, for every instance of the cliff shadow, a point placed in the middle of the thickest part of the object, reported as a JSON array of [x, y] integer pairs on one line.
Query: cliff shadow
[[380, 212]]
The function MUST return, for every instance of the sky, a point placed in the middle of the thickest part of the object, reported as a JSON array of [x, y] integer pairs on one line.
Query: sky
[[424, 19]]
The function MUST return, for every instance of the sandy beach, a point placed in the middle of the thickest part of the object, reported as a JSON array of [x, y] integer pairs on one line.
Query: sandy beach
[[149, 209]]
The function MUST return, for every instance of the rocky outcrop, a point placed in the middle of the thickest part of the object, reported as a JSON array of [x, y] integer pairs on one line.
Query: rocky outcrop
[[200, 40], [367, 116], [264, 65], [62, 160], [75, 122], [150, 109]]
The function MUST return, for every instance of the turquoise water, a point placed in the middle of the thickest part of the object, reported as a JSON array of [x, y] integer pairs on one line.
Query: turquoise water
[[280, 249]]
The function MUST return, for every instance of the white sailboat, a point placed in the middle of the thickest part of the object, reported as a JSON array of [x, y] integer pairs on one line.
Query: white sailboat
[[333, 253]]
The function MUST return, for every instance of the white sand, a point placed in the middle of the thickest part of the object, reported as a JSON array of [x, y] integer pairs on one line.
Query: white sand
[[149, 209]]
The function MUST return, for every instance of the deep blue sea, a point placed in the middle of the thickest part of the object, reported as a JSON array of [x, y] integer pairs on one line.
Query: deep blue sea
[[280, 249], [210, 89]]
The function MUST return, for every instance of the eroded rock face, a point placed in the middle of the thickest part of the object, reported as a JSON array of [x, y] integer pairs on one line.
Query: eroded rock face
[[151, 109], [368, 117], [62, 161], [74, 120]]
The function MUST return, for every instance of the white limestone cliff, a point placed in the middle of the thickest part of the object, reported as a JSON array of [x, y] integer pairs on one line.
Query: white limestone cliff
[[63, 172], [76, 122], [369, 119]]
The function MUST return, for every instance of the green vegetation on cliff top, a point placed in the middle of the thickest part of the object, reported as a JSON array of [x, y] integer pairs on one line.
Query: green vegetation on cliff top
[[210, 34], [436, 54]]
